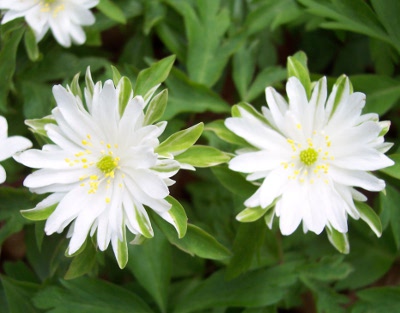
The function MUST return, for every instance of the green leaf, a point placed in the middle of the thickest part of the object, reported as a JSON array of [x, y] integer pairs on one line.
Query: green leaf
[[150, 78], [206, 27], [387, 13], [151, 265], [19, 295], [75, 88], [180, 141], [196, 241], [297, 67], [202, 99], [116, 78], [256, 289], [390, 204], [202, 156], [393, 170], [156, 108], [244, 67], [248, 241], [153, 14], [327, 299], [378, 300], [267, 77], [369, 216], [83, 263], [8, 52], [356, 16], [125, 94], [12, 200], [88, 295], [178, 215], [111, 10], [39, 214], [271, 14], [234, 181], [31, 46], [339, 240], [219, 128], [38, 99], [328, 268], [253, 214]]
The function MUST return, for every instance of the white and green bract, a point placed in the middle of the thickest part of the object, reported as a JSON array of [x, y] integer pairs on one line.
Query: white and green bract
[[101, 170], [65, 18], [309, 156], [9, 145]]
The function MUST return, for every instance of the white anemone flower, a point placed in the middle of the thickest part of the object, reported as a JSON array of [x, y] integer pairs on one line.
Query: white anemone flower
[[101, 169], [65, 18], [9, 146], [309, 156]]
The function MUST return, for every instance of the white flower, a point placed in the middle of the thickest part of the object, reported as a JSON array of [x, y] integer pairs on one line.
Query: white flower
[[310, 155], [9, 145], [101, 169], [65, 18]]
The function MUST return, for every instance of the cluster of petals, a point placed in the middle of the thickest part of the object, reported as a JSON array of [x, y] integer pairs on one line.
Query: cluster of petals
[[310, 157], [101, 168], [65, 18]]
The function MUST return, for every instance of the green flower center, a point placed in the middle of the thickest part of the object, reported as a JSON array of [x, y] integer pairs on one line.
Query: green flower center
[[107, 164], [49, 1], [308, 156]]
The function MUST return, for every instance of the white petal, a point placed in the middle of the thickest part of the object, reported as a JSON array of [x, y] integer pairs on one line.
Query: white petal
[[258, 161], [150, 183], [277, 105], [314, 216], [2, 175], [365, 159], [85, 219], [46, 177], [3, 128], [12, 145], [290, 213], [59, 27], [68, 209], [43, 159], [272, 187], [298, 102], [356, 179], [258, 135]]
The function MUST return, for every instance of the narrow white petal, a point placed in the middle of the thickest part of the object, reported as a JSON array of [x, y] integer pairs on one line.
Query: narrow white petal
[[46, 177], [290, 212], [12, 145], [3, 175], [357, 179], [43, 159], [3, 128], [272, 187], [258, 135], [68, 209], [258, 161]]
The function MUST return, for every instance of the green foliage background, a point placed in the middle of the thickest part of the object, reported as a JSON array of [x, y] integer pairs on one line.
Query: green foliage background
[[227, 51]]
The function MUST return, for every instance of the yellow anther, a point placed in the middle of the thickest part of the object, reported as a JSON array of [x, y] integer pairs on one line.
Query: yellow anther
[[108, 200]]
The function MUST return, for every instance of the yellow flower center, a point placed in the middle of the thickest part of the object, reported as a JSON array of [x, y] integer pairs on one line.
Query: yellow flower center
[[308, 156], [54, 6], [107, 164]]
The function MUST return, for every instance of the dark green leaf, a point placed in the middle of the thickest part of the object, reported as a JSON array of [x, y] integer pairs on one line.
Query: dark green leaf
[[248, 241], [151, 265], [87, 295], [19, 295]]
